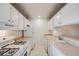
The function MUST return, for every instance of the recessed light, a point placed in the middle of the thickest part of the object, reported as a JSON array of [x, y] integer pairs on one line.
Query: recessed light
[[39, 16], [58, 16]]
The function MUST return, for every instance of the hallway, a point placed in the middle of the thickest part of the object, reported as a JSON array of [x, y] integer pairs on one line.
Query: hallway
[[39, 50]]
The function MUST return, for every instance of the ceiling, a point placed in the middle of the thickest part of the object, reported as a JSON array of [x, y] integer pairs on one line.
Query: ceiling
[[38, 10]]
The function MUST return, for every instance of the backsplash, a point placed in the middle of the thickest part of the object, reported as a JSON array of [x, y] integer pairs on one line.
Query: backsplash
[[4, 33]]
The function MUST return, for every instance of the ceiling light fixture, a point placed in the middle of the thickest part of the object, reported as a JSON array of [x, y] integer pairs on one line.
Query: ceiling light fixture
[[39, 16], [58, 16]]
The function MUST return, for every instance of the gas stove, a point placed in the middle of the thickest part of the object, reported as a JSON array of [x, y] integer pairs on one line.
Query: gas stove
[[8, 51], [19, 43]]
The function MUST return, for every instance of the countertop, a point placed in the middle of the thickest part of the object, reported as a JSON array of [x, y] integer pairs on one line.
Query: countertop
[[53, 39], [71, 40], [67, 49], [62, 46], [26, 38]]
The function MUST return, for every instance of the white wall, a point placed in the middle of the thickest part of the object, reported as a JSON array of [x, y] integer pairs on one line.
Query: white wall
[[39, 26]]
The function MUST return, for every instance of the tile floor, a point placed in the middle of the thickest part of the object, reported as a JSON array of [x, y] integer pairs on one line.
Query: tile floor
[[39, 50]]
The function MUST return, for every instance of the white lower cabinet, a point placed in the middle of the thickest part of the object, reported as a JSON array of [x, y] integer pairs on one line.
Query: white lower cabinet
[[56, 52], [29, 47], [46, 45], [53, 51], [50, 49]]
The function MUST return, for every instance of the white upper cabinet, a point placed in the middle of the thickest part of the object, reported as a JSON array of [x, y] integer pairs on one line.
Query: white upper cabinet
[[70, 14], [14, 16], [4, 14], [11, 18], [21, 21], [26, 23], [50, 24], [8, 17], [4, 11], [57, 20], [14, 19]]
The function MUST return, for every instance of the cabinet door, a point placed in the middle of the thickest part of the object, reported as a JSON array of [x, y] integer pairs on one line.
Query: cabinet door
[[26, 24], [70, 14], [46, 44], [57, 20], [21, 22], [14, 18], [30, 47], [50, 25], [57, 52], [4, 11], [51, 49], [48, 48], [4, 14]]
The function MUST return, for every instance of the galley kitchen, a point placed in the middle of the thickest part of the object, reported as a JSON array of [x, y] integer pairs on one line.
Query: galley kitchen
[[39, 29]]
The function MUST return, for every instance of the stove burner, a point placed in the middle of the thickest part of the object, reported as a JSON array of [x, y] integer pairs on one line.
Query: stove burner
[[2, 51], [19, 43], [8, 51]]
